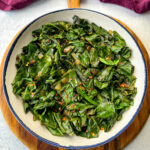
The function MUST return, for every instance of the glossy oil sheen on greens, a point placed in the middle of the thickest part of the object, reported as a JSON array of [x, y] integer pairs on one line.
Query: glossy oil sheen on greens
[[76, 78]]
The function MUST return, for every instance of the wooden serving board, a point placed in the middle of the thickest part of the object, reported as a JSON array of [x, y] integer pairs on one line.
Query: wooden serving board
[[117, 144]]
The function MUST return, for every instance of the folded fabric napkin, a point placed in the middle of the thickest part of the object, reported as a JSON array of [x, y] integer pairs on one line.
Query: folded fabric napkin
[[7, 5], [138, 6]]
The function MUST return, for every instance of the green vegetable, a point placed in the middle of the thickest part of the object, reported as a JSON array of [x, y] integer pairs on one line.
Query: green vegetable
[[82, 93], [119, 43], [105, 110], [109, 62], [75, 78]]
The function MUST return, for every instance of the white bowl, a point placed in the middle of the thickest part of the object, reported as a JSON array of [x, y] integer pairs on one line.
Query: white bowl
[[34, 127]]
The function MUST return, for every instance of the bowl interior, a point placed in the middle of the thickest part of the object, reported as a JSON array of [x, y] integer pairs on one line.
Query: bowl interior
[[27, 119]]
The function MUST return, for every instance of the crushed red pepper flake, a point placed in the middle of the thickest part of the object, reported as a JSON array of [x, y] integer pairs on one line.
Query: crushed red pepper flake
[[124, 85], [103, 44], [64, 118], [90, 77], [92, 133], [45, 58], [73, 105], [108, 58], [76, 95], [88, 48], [61, 103], [81, 87], [90, 42], [36, 77], [27, 64], [31, 84], [94, 71], [81, 83], [82, 38], [32, 61], [102, 128]]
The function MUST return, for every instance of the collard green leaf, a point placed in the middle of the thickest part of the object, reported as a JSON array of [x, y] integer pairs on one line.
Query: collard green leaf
[[109, 62], [92, 130], [126, 53], [83, 94], [44, 105], [58, 119], [91, 37], [75, 78], [105, 110], [94, 60], [56, 132], [76, 121], [80, 106], [106, 74], [119, 43], [77, 43], [48, 120], [71, 36], [125, 68], [85, 59], [101, 85], [68, 95], [67, 126]]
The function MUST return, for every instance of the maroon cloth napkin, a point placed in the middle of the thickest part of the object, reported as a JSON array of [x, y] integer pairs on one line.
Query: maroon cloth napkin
[[138, 6], [7, 5]]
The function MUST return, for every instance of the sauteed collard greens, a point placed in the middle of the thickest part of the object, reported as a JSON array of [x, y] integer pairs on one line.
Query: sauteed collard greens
[[75, 78]]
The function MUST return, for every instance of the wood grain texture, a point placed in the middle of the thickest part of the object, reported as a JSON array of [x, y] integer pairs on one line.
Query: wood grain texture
[[73, 3], [117, 144]]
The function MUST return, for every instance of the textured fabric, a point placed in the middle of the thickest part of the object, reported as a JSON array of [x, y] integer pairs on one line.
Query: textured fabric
[[138, 6], [7, 5]]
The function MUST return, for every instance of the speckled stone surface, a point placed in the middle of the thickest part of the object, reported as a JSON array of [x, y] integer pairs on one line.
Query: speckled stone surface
[[11, 22]]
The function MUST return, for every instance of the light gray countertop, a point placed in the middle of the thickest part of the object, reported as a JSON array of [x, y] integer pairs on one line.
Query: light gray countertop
[[11, 22]]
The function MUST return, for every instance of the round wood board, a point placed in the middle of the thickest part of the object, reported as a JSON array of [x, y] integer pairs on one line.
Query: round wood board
[[117, 144]]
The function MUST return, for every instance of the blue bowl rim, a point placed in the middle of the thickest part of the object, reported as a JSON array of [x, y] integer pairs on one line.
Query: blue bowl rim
[[33, 133]]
